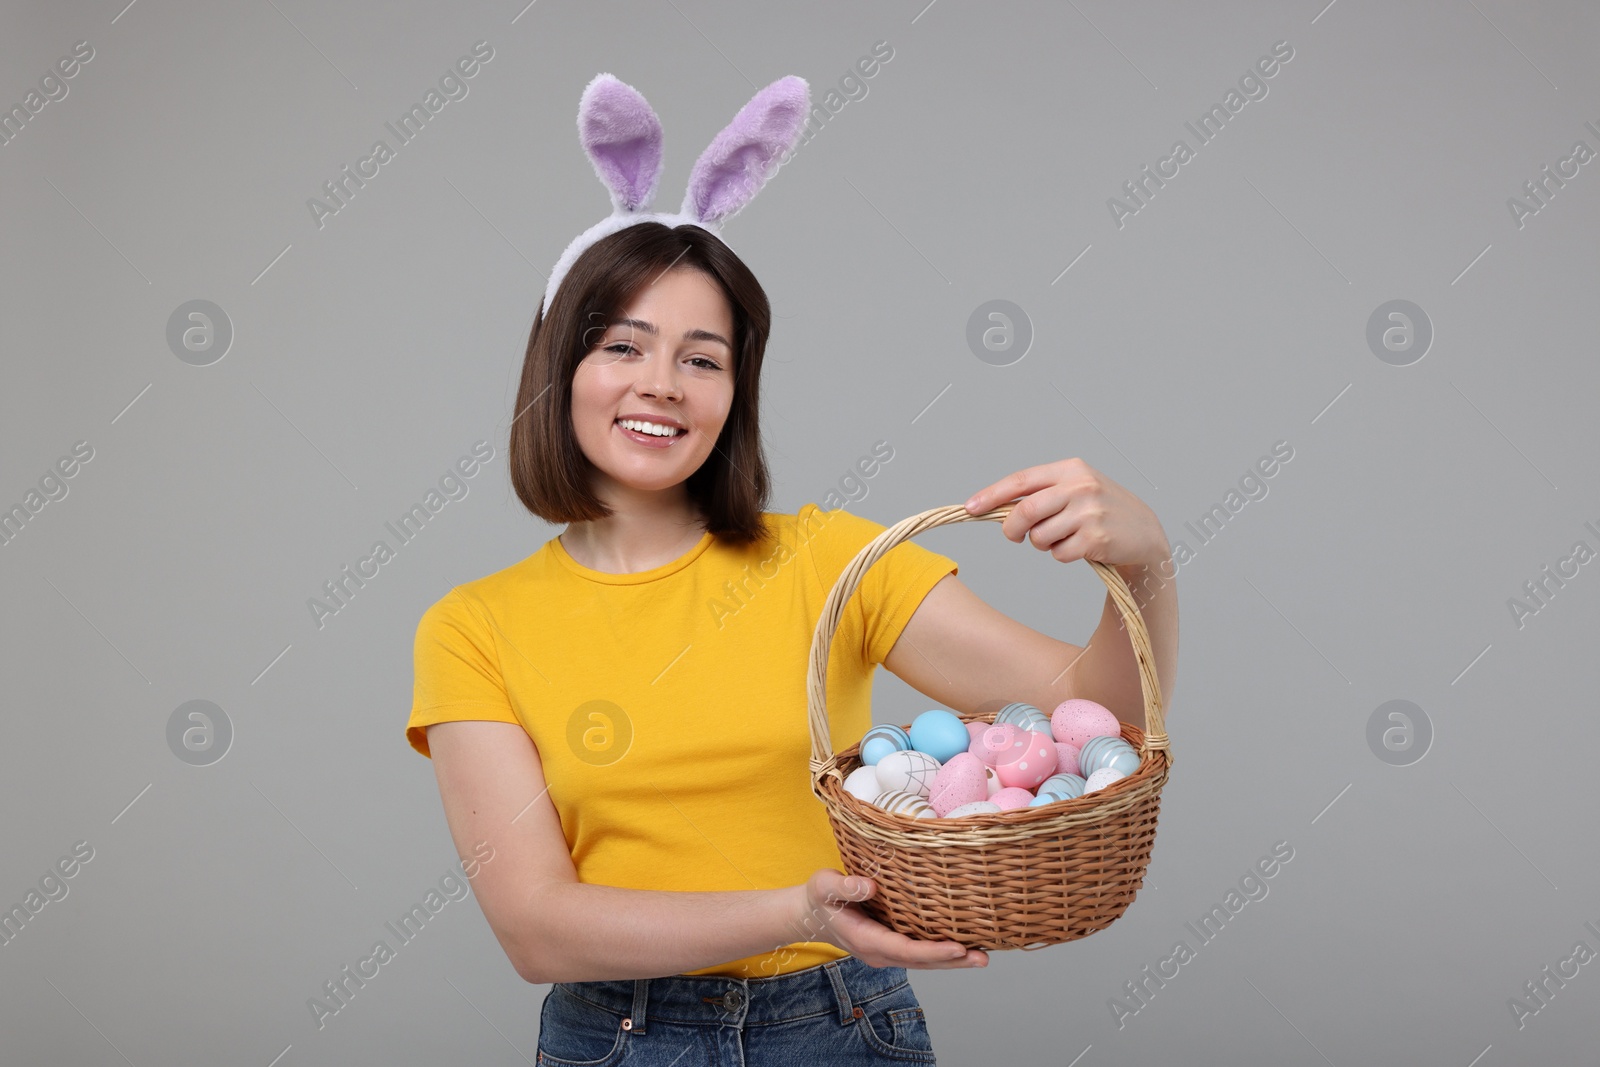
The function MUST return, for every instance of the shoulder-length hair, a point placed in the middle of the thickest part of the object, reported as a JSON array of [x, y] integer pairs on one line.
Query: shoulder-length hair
[[549, 471]]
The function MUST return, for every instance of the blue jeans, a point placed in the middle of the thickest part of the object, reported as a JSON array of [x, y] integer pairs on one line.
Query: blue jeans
[[842, 1013]]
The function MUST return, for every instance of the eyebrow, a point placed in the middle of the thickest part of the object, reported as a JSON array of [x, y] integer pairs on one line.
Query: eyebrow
[[688, 335]]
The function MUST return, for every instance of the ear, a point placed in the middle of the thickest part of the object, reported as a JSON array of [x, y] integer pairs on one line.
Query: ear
[[741, 158], [622, 137]]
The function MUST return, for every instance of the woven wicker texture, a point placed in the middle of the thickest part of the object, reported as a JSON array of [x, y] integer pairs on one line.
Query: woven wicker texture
[[1025, 878]]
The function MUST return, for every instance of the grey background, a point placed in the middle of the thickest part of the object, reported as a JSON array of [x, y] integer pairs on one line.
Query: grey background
[[1230, 313]]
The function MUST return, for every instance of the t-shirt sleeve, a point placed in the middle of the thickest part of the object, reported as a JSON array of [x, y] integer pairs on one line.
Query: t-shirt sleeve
[[457, 670], [890, 590]]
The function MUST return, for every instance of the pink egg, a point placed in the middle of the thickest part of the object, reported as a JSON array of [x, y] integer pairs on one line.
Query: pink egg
[[1030, 759], [1075, 721], [1066, 758], [997, 741], [1012, 797], [960, 781], [975, 730]]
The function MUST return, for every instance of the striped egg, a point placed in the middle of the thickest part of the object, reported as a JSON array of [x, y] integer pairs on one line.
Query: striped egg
[[879, 741], [1102, 778], [909, 804], [1062, 786], [1107, 751], [1024, 715]]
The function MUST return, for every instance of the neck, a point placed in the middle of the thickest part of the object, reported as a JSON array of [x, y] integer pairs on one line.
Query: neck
[[639, 535]]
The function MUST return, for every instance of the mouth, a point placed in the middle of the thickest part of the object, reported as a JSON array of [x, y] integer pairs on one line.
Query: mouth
[[649, 440]]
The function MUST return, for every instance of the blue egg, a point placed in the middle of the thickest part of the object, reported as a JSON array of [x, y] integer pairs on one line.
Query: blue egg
[[1042, 799], [1113, 752], [879, 741], [1026, 716], [1062, 786], [939, 733]]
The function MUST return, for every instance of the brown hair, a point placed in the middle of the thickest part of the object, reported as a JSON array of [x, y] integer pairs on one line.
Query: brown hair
[[549, 471]]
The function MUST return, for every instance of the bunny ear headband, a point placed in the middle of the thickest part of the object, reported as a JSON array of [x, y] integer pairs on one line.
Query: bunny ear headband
[[622, 137]]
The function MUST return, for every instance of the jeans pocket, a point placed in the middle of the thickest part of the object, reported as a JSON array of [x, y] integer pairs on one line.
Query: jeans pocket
[[894, 1026], [575, 1033]]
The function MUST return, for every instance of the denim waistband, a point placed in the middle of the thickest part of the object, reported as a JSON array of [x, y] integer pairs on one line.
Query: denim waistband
[[836, 986]]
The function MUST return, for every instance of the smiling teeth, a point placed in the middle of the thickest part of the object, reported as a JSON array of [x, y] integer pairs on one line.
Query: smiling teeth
[[650, 428]]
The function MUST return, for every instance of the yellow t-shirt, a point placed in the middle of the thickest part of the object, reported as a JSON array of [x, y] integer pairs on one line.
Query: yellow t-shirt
[[669, 706]]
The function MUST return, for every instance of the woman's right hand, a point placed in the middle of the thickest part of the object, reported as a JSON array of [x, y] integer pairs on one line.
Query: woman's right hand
[[829, 913]]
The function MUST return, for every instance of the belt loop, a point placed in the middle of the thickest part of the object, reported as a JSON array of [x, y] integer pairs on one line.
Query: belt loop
[[840, 991], [641, 997]]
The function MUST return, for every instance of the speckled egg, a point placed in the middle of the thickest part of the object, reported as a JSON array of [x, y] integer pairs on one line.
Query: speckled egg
[[960, 781], [977, 807], [1075, 721], [939, 733], [909, 771], [1102, 778], [879, 741], [1113, 752], [1011, 797], [905, 804], [1067, 758]]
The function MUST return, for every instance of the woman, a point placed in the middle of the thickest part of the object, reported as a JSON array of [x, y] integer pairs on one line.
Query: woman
[[620, 716]]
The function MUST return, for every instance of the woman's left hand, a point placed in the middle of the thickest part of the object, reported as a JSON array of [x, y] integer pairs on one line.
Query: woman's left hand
[[1074, 512]]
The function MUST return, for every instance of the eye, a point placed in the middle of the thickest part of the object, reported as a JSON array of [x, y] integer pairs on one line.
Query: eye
[[710, 363], [619, 347]]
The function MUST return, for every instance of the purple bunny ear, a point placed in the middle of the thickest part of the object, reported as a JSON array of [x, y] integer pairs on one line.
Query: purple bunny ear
[[622, 137], [741, 158]]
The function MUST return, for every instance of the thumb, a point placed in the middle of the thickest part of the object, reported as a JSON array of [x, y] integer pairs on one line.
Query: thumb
[[857, 888]]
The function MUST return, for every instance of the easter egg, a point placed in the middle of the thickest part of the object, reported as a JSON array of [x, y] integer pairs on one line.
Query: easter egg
[[908, 771], [905, 804], [939, 733], [960, 781], [977, 807], [862, 783], [1075, 721], [993, 781], [1102, 778], [1024, 715], [1062, 786], [1028, 758], [879, 741], [996, 741], [1042, 799], [1113, 752], [1067, 758], [1011, 797]]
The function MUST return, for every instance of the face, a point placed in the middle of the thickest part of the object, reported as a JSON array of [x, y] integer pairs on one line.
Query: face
[[670, 363]]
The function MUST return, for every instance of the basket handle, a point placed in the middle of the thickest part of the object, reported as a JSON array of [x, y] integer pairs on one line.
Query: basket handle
[[822, 755]]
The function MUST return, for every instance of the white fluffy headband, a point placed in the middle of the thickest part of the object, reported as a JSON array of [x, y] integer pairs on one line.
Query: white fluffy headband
[[622, 137]]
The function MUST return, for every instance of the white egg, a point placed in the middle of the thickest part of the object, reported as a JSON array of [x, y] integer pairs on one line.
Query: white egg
[[1102, 778], [862, 783], [977, 807], [906, 771]]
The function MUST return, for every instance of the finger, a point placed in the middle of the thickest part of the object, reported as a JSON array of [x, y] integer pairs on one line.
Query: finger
[[1014, 485], [1048, 508]]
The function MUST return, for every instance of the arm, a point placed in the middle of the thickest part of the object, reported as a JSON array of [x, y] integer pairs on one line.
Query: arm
[[968, 656], [554, 928]]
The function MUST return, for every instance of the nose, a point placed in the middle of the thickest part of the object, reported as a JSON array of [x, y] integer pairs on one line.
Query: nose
[[659, 379]]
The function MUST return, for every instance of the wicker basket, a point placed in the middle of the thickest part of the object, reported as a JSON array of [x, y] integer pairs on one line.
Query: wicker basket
[[1024, 878]]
